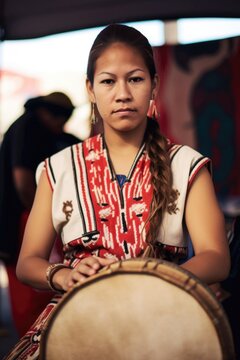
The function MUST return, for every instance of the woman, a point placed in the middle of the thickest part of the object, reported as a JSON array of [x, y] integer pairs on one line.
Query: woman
[[120, 193]]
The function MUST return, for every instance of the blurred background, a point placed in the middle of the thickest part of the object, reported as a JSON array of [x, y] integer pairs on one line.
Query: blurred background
[[41, 65]]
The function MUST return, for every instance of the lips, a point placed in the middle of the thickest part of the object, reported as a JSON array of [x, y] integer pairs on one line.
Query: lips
[[122, 110]]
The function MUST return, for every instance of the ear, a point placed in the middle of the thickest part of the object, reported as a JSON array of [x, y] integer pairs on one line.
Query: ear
[[90, 91], [155, 85]]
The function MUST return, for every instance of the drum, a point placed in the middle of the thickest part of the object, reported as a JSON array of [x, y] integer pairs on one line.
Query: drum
[[140, 309]]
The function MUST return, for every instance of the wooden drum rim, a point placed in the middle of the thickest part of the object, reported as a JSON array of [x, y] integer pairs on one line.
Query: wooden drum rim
[[169, 272]]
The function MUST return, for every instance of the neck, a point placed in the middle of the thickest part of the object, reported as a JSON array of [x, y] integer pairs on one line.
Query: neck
[[122, 149], [123, 142]]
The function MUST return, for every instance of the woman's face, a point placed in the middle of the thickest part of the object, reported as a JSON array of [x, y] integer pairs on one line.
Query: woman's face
[[122, 88]]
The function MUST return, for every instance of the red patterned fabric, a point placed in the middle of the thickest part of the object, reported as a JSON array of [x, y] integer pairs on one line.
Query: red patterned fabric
[[93, 213], [28, 346]]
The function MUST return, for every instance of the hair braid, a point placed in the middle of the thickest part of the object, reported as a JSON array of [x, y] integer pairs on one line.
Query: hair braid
[[164, 196]]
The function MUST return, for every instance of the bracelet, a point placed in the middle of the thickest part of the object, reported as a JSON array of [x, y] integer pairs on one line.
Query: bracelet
[[50, 272]]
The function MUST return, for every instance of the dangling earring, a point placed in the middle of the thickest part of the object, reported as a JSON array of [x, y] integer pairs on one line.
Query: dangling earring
[[94, 118], [152, 111]]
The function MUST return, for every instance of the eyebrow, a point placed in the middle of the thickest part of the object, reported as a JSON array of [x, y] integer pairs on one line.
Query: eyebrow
[[129, 73]]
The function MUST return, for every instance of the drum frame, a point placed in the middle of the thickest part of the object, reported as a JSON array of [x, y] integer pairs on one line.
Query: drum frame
[[169, 272]]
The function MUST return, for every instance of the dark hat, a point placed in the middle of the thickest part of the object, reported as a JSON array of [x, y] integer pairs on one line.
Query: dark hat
[[57, 102]]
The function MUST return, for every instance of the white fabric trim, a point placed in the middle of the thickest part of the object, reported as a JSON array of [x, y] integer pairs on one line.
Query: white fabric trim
[[186, 163]]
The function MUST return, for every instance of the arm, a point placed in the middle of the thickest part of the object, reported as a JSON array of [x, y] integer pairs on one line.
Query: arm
[[38, 238], [206, 226], [37, 244]]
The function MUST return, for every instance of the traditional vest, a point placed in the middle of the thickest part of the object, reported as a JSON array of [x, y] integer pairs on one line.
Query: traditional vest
[[94, 215]]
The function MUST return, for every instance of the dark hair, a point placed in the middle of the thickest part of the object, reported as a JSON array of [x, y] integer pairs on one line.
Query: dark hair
[[124, 34], [156, 143]]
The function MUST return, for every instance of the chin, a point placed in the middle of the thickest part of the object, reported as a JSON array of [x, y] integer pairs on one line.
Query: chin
[[126, 129]]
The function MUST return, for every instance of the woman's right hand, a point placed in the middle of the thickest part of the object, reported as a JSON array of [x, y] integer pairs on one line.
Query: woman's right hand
[[87, 267]]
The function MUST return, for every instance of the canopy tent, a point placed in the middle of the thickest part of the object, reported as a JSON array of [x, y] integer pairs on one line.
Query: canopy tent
[[27, 19]]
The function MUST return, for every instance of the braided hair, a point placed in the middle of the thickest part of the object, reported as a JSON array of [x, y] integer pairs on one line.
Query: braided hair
[[164, 196]]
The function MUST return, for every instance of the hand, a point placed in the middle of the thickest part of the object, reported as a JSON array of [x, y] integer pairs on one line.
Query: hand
[[87, 267]]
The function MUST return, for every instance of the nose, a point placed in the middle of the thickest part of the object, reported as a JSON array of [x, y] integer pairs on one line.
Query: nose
[[123, 92]]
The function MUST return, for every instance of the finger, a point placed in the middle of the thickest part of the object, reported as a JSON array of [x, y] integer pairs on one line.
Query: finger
[[76, 277], [86, 269], [105, 262], [91, 262]]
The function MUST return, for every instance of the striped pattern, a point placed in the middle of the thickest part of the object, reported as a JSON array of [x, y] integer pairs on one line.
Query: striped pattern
[[85, 206]]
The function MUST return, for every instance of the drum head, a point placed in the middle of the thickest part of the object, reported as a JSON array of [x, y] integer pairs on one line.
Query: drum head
[[138, 309]]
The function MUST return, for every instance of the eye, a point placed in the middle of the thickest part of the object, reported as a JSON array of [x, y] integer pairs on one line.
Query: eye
[[107, 81], [135, 79]]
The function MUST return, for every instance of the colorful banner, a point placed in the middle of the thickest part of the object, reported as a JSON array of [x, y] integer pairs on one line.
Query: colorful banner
[[199, 104]]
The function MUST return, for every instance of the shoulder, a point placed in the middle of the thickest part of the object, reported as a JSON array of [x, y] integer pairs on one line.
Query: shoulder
[[186, 154], [185, 159], [63, 162], [64, 154], [58, 164], [182, 150], [75, 149]]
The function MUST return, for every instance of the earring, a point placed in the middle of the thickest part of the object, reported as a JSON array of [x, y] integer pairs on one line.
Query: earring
[[152, 111], [94, 118]]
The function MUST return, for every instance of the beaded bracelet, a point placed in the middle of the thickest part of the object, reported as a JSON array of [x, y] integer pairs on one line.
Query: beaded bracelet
[[50, 272]]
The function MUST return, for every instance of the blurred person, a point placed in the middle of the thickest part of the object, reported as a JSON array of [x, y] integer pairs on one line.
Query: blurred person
[[35, 135]]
